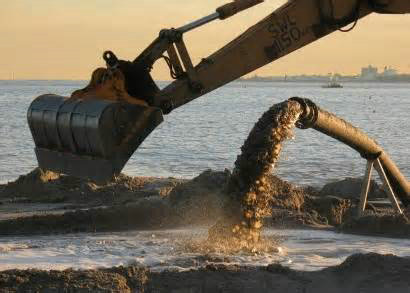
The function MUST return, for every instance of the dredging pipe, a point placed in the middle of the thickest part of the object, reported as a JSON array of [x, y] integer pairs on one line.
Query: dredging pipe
[[333, 126]]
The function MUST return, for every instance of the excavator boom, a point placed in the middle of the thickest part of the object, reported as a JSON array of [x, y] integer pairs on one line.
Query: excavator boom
[[291, 27], [93, 133]]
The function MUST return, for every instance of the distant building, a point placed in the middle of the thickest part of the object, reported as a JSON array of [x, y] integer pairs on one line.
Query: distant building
[[369, 73], [389, 72]]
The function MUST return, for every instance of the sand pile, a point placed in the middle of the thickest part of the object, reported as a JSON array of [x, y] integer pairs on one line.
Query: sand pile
[[350, 188], [156, 203], [126, 203], [137, 203], [202, 199], [369, 272], [388, 224], [46, 186]]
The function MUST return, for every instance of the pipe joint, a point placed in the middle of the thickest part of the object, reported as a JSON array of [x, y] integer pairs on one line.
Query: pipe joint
[[371, 157], [309, 115]]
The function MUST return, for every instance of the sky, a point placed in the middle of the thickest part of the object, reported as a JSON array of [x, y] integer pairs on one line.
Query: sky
[[64, 39]]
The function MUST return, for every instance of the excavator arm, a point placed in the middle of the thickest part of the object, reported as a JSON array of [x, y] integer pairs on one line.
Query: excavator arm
[[93, 133], [291, 27]]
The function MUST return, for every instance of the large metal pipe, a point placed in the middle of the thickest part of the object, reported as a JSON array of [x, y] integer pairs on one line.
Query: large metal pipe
[[333, 126]]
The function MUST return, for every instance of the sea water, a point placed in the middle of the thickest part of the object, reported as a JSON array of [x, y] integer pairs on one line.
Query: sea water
[[307, 250], [208, 132]]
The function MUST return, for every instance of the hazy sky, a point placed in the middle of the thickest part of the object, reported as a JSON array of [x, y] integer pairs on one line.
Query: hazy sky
[[64, 39]]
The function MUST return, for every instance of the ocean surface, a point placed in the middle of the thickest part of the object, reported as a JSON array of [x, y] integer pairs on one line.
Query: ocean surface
[[208, 132]]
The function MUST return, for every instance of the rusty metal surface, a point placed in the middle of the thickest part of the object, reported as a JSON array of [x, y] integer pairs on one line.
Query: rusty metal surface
[[88, 138]]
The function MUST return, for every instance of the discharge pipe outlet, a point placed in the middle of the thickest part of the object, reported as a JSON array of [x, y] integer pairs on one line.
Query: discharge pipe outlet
[[333, 126]]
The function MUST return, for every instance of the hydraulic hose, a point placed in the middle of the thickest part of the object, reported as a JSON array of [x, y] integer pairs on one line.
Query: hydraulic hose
[[333, 126]]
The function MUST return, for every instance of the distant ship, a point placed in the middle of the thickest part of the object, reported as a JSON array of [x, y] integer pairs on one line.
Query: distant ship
[[332, 84]]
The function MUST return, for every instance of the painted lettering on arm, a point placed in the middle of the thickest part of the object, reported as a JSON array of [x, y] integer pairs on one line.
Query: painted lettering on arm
[[285, 33]]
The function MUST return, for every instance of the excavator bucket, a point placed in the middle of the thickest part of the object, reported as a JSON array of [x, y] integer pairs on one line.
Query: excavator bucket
[[92, 138]]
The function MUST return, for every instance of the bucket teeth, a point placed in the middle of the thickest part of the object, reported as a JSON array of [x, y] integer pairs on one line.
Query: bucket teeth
[[92, 138]]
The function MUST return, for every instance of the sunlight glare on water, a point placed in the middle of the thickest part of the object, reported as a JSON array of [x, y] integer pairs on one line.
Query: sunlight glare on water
[[165, 250]]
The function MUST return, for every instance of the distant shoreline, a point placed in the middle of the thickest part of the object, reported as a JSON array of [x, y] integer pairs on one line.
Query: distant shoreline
[[238, 80], [324, 81]]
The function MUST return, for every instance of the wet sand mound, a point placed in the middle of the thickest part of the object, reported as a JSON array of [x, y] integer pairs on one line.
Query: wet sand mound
[[390, 225], [369, 272], [136, 203], [126, 203], [155, 203], [150, 213], [49, 187], [106, 280], [350, 188], [202, 199]]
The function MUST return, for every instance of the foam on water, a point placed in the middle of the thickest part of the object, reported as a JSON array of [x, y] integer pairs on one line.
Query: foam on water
[[161, 250]]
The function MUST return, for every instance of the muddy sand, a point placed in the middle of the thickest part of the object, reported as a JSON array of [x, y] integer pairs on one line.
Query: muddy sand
[[47, 203], [358, 273]]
